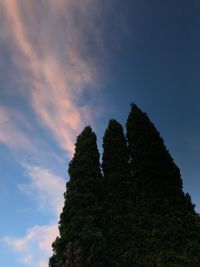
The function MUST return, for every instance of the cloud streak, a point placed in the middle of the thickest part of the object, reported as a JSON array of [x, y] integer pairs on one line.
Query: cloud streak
[[35, 247], [45, 187], [10, 133], [54, 46], [53, 55]]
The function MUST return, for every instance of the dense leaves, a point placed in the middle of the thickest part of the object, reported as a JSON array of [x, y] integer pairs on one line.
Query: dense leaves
[[137, 214], [81, 221], [165, 220], [118, 196]]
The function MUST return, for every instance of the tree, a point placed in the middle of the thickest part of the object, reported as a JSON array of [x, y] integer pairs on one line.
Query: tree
[[118, 195], [136, 214], [166, 232], [81, 240]]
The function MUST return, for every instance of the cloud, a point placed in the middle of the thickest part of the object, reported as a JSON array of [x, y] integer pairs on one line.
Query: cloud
[[11, 133], [55, 51], [35, 247], [18, 132], [55, 48], [46, 188]]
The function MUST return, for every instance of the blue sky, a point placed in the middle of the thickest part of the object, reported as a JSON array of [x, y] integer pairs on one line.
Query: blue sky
[[68, 63]]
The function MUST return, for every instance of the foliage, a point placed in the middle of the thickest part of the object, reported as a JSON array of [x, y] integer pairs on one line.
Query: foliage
[[118, 197], [165, 220], [137, 214], [82, 217]]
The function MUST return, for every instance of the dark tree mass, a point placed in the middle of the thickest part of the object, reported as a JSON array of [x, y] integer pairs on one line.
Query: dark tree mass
[[118, 198], [132, 211], [81, 222], [167, 230]]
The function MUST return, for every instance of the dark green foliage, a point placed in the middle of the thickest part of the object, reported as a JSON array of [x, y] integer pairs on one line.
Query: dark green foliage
[[137, 215], [81, 221], [165, 221], [118, 195]]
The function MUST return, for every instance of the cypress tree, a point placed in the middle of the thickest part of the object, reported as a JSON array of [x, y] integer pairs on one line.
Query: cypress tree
[[166, 232], [81, 240], [118, 198]]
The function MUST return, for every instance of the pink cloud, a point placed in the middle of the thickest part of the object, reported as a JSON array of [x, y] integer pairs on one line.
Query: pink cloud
[[35, 247], [57, 68], [51, 51]]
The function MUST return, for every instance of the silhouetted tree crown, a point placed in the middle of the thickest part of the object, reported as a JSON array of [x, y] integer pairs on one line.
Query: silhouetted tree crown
[[137, 214], [81, 221], [118, 197], [163, 234]]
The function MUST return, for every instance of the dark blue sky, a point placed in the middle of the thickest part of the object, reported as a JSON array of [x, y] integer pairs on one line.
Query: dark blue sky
[[156, 64], [67, 64]]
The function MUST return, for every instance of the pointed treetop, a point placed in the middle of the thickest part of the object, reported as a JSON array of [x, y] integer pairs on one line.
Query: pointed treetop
[[87, 139], [114, 126], [86, 132], [135, 108]]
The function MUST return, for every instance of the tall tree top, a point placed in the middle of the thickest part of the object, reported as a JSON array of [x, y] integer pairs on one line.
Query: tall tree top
[[148, 153], [118, 197], [115, 159], [114, 144], [86, 140], [86, 156], [81, 220], [165, 216]]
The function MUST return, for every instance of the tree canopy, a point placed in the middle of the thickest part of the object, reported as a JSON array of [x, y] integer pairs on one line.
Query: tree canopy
[[163, 234], [131, 211], [81, 221], [118, 195]]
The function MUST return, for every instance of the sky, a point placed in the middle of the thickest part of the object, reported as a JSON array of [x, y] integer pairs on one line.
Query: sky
[[66, 64]]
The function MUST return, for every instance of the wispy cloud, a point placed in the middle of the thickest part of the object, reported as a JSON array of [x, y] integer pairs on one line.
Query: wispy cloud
[[54, 46], [35, 247], [10, 132], [45, 187], [53, 52], [19, 134]]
